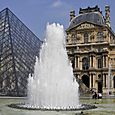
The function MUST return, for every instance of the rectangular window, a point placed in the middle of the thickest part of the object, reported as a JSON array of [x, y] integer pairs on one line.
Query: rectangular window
[[91, 80], [91, 61], [100, 62], [76, 62], [104, 61], [105, 81]]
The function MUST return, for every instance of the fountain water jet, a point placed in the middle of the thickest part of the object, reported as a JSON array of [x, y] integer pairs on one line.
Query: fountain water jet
[[53, 86]]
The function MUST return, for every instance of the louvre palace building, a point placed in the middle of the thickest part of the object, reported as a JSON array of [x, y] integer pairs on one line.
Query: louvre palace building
[[90, 46], [18, 50]]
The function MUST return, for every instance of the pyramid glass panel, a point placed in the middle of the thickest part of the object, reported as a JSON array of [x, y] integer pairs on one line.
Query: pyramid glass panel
[[18, 50]]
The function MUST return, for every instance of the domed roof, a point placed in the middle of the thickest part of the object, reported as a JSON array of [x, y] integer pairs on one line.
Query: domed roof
[[92, 17]]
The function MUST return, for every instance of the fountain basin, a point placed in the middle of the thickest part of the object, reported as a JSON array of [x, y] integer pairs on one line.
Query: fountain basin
[[31, 107]]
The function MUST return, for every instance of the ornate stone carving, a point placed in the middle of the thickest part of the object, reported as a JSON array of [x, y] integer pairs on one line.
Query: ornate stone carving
[[105, 34], [85, 26], [92, 36], [105, 49], [79, 36], [68, 38]]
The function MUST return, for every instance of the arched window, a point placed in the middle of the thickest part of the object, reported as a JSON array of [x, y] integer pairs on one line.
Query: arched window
[[86, 80], [86, 38], [100, 36], [100, 83], [85, 63]]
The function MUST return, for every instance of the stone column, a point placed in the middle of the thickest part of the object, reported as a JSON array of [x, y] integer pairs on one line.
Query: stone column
[[106, 59], [94, 62], [93, 77], [103, 61], [111, 80], [107, 62], [75, 66], [89, 80], [92, 58], [78, 61], [104, 80], [94, 81], [107, 81], [90, 61]]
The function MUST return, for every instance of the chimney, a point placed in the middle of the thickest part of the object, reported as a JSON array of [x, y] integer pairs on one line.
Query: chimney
[[107, 15], [72, 14]]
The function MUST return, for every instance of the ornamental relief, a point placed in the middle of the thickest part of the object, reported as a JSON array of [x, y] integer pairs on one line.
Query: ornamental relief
[[79, 36], [85, 26], [68, 38], [105, 34], [92, 37], [85, 49], [73, 38]]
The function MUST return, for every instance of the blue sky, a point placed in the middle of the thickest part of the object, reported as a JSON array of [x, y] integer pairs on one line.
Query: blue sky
[[37, 13]]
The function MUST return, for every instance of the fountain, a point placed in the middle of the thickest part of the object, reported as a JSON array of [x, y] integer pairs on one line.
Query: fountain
[[53, 86]]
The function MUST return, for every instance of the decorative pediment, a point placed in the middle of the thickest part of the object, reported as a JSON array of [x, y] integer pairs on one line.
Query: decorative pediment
[[85, 26]]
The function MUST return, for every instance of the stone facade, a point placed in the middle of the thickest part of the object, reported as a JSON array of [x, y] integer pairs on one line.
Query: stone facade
[[90, 46]]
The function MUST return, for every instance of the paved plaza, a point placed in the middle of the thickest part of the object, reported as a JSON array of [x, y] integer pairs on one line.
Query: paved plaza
[[106, 106]]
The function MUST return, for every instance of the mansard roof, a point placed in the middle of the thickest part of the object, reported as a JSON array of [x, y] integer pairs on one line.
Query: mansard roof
[[92, 15]]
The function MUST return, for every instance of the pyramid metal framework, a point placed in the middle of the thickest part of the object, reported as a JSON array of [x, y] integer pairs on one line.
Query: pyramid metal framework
[[18, 50]]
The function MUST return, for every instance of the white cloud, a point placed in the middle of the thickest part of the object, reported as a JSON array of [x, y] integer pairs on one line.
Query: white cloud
[[57, 4]]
